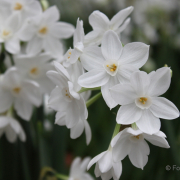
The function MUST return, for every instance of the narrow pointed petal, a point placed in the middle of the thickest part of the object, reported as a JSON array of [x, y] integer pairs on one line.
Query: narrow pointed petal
[[87, 132], [77, 130], [52, 14]]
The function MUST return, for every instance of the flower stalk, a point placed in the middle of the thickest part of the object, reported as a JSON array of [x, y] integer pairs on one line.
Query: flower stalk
[[61, 176], [89, 89], [93, 99]]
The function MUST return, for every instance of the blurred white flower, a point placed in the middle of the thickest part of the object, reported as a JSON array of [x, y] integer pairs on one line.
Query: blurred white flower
[[65, 99], [35, 68], [78, 170], [44, 31], [105, 166], [113, 64], [132, 143], [140, 101], [9, 32], [14, 89], [100, 24], [11, 128]]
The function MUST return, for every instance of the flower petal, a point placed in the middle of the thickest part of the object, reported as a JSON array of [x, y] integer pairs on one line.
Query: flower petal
[[128, 114], [13, 45], [148, 123], [79, 33], [117, 167], [87, 132], [93, 38], [52, 14], [111, 46], [10, 134], [60, 118], [163, 108], [123, 94], [123, 27], [94, 78], [160, 82], [77, 130]]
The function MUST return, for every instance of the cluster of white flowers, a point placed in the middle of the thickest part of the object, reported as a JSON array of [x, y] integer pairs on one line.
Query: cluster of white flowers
[[98, 60]]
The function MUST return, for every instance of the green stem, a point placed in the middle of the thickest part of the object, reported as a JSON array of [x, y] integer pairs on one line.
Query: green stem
[[61, 176], [116, 131], [88, 89], [93, 99]]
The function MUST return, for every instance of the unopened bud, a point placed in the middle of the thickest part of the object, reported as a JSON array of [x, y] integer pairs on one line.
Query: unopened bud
[[169, 69]]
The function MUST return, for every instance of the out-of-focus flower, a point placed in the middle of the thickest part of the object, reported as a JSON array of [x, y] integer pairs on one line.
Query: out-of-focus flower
[[78, 170], [11, 128], [43, 32], [105, 166], [113, 65], [140, 101], [100, 24], [14, 89], [132, 143], [35, 68], [9, 32]]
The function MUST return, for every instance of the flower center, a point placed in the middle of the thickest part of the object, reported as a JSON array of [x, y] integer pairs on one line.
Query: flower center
[[67, 95], [17, 90], [143, 100], [18, 6], [137, 137], [112, 67], [6, 33], [43, 30], [34, 71]]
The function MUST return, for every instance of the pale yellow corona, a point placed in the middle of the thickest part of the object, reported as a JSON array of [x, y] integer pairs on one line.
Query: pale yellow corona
[[6, 33], [43, 30], [18, 6]]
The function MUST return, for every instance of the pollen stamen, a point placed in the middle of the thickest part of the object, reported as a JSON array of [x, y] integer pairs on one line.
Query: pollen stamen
[[6, 33], [112, 67], [43, 30], [34, 71], [17, 90], [137, 137], [143, 100], [18, 6]]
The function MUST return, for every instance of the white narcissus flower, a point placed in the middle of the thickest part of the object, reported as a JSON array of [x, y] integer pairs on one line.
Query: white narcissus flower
[[100, 24], [9, 32], [140, 101], [35, 68], [17, 91], [11, 128], [43, 32], [81, 50], [25, 8], [112, 64], [65, 99], [132, 143], [78, 170], [105, 166]]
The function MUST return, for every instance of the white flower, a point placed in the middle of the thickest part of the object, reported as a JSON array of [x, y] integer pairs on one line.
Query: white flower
[[11, 128], [105, 166], [140, 103], [35, 68], [78, 168], [43, 32], [100, 24], [65, 99], [25, 8], [84, 52], [20, 92], [9, 32], [112, 64], [132, 143]]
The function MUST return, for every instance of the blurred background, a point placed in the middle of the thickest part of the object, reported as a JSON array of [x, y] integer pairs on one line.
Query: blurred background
[[154, 22]]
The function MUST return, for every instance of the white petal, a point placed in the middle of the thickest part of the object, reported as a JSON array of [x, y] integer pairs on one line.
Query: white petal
[[52, 14], [124, 25], [160, 82], [87, 132], [93, 38], [22, 135], [157, 140], [94, 78], [34, 46], [111, 46], [74, 166], [75, 54], [121, 149], [163, 108], [135, 54], [128, 114], [97, 172], [13, 45], [105, 163], [72, 92], [4, 121], [99, 21], [10, 134], [6, 100], [13, 22], [119, 18], [140, 82], [95, 159], [92, 58], [106, 92], [24, 109], [138, 155], [123, 94], [84, 163], [77, 130], [117, 167], [60, 118], [62, 30], [148, 123]]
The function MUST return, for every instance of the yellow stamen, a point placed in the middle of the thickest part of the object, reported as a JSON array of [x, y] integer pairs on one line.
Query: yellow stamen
[[34, 71], [143, 100], [43, 30], [18, 6], [112, 67], [137, 137], [17, 90], [69, 52], [6, 33]]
